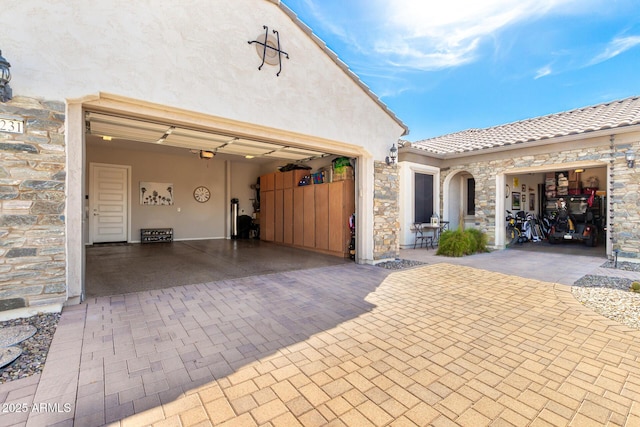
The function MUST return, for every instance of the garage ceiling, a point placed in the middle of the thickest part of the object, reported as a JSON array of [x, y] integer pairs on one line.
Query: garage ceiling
[[111, 127]]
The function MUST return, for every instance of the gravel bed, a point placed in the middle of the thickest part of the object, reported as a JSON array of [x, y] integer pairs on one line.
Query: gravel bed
[[622, 265], [34, 349], [610, 297], [399, 264]]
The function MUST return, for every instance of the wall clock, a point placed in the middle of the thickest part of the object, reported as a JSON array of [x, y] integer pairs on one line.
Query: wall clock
[[508, 191], [201, 194]]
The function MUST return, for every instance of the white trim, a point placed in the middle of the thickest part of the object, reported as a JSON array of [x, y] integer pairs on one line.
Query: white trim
[[74, 209], [129, 197], [103, 102], [364, 174], [501, 213], [407, 197]]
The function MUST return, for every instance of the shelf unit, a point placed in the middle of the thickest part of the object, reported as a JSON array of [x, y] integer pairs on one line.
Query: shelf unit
[[152, 235]]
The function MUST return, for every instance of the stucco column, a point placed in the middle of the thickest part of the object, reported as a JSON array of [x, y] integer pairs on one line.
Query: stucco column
[[364, 210], [74, 235]]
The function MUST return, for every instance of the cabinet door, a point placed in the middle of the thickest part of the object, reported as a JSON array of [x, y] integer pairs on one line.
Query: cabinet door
[[287, 216], [267, 182], [279, 216], [337, 222], [340, 213], [267, 204], [309, 216], [298, 216], [322, 216], [279, 178]]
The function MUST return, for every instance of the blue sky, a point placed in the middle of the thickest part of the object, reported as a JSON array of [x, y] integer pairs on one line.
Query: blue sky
[[444, 66]]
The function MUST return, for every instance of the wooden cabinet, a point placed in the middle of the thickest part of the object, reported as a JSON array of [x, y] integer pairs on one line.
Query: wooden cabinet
[[267, 182], [298, 216], [267, 214], [322, 216], [313, 216], [309, 223], [341, 207], [278, 217], [287, 216]]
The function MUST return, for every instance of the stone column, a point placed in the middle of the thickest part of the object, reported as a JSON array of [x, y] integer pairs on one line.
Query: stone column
[[32, 205], [386, 212]]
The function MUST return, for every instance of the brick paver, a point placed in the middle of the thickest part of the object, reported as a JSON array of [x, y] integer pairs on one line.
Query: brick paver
[[345, 345]]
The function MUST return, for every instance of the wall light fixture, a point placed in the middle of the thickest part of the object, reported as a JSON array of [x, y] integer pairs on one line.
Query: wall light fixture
[[5, 78], [392, 158]]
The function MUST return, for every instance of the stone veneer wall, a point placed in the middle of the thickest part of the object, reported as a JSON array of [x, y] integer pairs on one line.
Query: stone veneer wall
[[386, 212], [623, 202], [32, 205]]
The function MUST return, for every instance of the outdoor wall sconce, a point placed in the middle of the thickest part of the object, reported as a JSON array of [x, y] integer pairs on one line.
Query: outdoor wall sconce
[[5, 78], [630, 156], [392, 158]]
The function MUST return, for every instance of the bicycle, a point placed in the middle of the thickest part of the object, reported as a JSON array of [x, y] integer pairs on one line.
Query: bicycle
[[513, 232]]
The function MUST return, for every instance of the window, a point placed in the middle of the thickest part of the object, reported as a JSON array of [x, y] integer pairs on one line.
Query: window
[[423, 197], [471, 196]]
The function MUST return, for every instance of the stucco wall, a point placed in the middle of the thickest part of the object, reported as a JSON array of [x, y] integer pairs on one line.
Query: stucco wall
[[194, 56], [189, 218], [32, 206]]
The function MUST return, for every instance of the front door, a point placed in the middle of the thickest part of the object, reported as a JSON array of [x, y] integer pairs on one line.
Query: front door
[[109, 203]]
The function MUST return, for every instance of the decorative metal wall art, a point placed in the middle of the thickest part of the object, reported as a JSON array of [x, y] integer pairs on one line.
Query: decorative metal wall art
[[156, 193], [269, 50]]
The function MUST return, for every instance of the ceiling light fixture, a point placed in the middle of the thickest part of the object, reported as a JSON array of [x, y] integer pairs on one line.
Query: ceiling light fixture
[[207, 154], [166, 135], [106, 138]]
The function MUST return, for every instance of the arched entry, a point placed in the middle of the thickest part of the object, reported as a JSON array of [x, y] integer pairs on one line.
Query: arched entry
[[459, 200]]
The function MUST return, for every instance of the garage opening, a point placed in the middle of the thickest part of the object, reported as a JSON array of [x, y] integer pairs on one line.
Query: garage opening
[[169, 205], [558, 211]]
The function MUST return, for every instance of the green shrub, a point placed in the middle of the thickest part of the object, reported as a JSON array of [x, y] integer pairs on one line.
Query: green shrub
[[635, 287], [479, 240], [454, 243], [461, 242]]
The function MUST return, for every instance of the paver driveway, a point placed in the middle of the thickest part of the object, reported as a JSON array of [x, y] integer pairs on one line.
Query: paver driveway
[[345, 345]]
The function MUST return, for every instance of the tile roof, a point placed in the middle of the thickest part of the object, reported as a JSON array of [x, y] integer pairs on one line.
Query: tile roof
[[610, 115]]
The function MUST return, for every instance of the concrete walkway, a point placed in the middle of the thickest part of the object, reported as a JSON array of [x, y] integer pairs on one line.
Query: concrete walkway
[[345, 345]]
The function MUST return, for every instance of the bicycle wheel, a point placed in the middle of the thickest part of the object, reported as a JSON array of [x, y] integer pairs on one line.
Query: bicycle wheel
[[512, 236]]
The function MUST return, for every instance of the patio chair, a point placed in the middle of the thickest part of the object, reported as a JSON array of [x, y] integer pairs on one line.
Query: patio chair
[[421, 236]]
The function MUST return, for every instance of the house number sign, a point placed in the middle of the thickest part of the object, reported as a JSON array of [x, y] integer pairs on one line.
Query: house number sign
[[11, 125]]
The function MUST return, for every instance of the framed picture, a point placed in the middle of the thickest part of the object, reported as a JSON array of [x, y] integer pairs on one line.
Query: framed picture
[[532, 202], [523, 200], [524, 189], [156, 193], [515, 201]]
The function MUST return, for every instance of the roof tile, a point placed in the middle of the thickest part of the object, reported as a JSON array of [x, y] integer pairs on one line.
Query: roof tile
[[610, 115]]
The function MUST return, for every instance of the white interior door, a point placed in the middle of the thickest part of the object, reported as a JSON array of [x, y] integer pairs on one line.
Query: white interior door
[[109, 203]]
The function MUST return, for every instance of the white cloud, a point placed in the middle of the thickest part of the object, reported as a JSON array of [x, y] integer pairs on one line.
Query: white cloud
[[439, 34], [544, 71], [615, 48]]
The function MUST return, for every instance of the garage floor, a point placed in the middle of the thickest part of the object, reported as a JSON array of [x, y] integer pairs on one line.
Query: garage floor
[[123, 268], [566, 248]]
